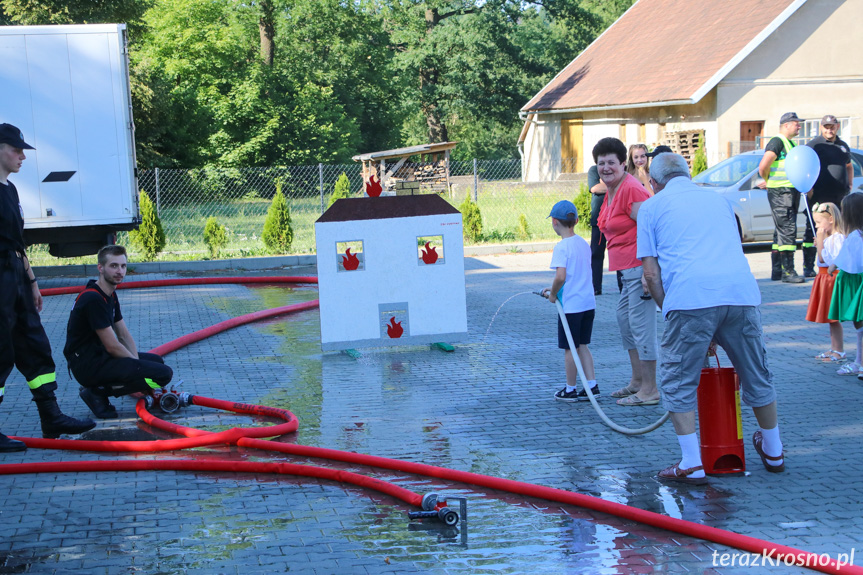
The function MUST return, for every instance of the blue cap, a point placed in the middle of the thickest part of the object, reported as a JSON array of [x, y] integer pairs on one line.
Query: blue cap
[[564, 210]]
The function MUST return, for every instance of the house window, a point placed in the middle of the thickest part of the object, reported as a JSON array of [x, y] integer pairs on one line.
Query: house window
[[350, 256], [430, 250]]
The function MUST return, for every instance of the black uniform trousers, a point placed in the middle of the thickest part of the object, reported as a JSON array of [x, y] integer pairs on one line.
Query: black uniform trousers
[[118, 376], [784, 204], [23, 342]]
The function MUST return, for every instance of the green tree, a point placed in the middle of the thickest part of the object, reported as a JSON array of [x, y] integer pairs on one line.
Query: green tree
[[342, 189], [471, 220], [278, 232], [149, 237], [523, 230], [215, 236], [228, 105], [473, 64], [699, 161]]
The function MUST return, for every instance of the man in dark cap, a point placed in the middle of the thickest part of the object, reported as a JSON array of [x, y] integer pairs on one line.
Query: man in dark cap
[[659, 150], [833, 183], [783, 197], [23, 342]]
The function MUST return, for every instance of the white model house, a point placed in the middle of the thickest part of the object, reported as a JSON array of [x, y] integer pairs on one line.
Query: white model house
[[390, 272]]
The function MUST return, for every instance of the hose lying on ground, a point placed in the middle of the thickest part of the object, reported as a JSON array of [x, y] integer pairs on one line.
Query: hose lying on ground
[[251, 438]]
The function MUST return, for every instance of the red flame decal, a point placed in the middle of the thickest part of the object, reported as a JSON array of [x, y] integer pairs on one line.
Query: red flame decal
[[394, 328], [429, 254], [373, 187], [350, 261]]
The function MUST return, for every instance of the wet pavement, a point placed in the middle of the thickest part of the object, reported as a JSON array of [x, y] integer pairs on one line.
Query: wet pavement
[[487, 408]]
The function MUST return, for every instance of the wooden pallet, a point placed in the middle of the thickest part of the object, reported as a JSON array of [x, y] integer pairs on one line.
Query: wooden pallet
[[685, 143]]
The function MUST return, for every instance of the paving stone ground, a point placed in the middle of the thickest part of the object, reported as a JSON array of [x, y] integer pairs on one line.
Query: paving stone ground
[[487, 408]]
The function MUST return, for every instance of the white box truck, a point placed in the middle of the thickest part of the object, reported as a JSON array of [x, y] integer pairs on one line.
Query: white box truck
[[67, 89]]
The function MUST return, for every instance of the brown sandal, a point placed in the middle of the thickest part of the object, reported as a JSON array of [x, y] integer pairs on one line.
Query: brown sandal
[[757, 441], [674, 473], [623, 392]]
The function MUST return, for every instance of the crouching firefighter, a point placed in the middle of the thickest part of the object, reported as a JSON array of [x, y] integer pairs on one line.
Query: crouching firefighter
[[100, 351], [23, 342]]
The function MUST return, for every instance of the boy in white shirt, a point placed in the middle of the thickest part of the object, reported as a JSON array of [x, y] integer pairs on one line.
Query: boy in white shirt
[[571, 262]]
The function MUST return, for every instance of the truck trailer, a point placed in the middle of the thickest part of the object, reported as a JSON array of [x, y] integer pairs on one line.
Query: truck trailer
[[67, 88]]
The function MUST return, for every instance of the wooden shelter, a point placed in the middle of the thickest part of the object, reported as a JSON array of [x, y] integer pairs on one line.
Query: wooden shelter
[[398, 176]]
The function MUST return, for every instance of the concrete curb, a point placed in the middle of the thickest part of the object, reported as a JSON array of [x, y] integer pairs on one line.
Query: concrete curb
[[263, 263]]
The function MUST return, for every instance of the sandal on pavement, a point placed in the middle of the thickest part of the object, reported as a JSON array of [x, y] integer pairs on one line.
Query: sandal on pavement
[[757, 441], [849, 368], [674, 473], [623, 392], [831, 355], [634, 400]]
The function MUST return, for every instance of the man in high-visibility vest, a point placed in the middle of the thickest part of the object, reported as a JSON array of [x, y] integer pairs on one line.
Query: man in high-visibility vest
[[783, 197]]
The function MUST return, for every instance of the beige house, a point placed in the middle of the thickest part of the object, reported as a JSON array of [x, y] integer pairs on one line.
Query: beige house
[[722, 69]]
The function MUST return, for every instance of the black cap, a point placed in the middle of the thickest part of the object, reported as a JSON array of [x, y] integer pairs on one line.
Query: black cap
[[659, 150], [789, 117], [11, 135]]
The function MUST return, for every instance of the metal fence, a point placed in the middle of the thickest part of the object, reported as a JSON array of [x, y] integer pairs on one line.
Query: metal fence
[[240, 197]]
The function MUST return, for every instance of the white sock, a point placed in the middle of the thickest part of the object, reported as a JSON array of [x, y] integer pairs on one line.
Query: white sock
[[859, 346], [771, 444], [570, 388], [591, 383], [691, 453]]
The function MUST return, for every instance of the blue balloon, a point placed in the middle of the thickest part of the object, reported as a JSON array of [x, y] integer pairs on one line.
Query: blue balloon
[[802, 168]]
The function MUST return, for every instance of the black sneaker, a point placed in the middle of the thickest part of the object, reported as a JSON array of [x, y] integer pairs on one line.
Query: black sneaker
[[569, 397], [98, 404], [9, 445], [594, 390]]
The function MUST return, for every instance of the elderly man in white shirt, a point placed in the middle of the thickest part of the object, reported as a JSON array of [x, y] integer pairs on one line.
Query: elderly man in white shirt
[[695, 270]]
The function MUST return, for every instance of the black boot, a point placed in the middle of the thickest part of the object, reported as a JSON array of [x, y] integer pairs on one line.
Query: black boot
[[809, 254], [54, 422], [8, 445], [789, 276], [98, 404], [776, 266]]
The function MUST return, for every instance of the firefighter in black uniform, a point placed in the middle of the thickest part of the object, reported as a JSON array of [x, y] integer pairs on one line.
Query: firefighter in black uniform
[[23, 342], [100, 350]]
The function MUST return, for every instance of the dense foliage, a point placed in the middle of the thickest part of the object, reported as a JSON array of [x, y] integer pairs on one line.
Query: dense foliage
[[286, 82]]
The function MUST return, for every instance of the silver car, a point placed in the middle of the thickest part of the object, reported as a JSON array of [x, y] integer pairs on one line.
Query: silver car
[[737, 179]]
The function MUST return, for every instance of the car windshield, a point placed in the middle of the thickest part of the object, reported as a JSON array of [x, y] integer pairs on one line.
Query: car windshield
[[728, 172]]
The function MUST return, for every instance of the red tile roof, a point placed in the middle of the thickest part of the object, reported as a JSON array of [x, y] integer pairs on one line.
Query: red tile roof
[[661, 51]]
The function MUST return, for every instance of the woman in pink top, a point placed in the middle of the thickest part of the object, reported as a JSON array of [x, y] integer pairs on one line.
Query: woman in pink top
[[636, 313]]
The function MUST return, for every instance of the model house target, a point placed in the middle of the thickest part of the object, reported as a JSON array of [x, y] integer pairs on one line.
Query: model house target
[[390, 272]]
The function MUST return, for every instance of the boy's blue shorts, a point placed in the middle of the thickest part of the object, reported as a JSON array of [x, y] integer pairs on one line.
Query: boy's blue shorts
[[580, 326]]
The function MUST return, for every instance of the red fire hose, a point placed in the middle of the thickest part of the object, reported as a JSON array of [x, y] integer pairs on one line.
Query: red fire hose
[[250, 437]]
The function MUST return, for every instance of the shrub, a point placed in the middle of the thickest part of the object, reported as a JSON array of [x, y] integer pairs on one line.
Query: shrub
[[342, 189], [214, 236], [699, 161], [523, 231], [471, 220], [582, 204], [149, 237], [278, 233]]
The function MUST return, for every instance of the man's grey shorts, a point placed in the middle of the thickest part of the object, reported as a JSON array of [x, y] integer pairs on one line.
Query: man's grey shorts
[[636, 317], [737, 329]]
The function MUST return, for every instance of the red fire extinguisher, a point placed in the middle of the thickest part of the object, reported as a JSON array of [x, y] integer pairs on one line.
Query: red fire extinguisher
[[721, 427]]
